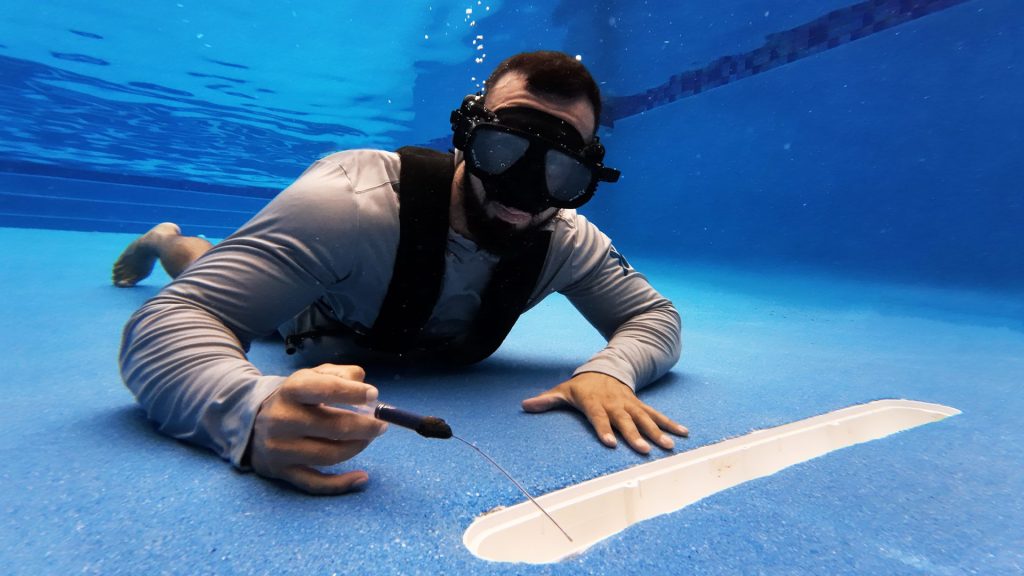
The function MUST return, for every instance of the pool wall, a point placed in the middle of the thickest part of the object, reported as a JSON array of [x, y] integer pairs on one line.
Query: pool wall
[[795, 139], [898, 156]]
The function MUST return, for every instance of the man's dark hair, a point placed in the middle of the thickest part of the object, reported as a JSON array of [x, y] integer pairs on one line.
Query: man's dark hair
[[553, 74]]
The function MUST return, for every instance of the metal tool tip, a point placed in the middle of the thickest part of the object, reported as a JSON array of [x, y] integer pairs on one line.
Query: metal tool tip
[[434, 427]]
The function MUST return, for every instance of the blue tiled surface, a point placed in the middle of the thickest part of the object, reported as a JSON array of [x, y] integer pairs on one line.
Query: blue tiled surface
[[87, 485]]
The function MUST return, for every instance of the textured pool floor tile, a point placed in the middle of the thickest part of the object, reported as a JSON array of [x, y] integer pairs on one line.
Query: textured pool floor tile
[[89, 486]]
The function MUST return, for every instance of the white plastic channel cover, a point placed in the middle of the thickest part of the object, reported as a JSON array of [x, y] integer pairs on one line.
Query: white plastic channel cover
[[596, 509]]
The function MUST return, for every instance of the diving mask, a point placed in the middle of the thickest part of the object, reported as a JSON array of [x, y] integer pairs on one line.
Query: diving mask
[[528, 159]]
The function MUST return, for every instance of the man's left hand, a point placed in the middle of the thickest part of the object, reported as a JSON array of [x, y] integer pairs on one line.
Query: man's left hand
[[608, 403]]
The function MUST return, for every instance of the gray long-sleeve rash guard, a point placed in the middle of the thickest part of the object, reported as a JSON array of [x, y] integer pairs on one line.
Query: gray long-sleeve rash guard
[[331, 237]]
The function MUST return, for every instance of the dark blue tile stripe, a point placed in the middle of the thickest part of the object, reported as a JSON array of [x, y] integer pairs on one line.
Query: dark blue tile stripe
[[834, 29], [61, 203], [93, 225], [24, 167]]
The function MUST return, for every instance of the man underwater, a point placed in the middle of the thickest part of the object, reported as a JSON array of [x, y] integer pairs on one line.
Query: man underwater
[[411, 254]]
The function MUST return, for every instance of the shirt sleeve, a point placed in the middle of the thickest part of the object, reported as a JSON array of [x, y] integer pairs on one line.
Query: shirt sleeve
[[642, 327], [183, 352]]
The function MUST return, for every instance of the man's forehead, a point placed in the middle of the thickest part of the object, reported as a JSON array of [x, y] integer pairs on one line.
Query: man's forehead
[[510, 91]]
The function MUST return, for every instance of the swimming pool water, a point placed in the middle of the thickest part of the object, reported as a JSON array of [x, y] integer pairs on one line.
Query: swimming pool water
[[828, 189], [872, 138]]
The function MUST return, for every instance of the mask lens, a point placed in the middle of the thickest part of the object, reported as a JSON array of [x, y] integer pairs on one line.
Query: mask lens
[[567, 178], [494, 151]]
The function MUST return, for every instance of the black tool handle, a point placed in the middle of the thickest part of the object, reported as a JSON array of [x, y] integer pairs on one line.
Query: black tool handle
[[428, 426]]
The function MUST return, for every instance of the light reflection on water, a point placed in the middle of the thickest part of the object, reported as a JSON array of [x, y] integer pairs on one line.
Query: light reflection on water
[[207, 92]]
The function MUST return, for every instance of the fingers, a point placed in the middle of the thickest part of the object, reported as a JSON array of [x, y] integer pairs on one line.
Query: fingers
[[623, 422], [649, 428], [317, 482], [295, 430], [611, 407], [300, 421], [329, 384], [666, 423], [598, 418], [313, 451], [632, 423], [348, 372]]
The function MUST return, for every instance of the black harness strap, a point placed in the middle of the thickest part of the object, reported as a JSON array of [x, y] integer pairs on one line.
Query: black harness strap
[[424, 198], [425, 183]]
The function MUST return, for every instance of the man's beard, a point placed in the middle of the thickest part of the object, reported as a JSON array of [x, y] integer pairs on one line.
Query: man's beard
[[492, 233]]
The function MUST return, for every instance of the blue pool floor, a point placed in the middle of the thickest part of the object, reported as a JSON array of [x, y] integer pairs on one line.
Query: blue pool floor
[[88, 486]]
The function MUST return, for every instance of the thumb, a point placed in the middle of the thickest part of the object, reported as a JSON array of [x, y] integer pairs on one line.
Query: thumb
[[545, 401]]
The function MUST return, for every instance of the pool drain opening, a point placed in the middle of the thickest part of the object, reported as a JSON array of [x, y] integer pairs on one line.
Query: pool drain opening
[[598, 508]]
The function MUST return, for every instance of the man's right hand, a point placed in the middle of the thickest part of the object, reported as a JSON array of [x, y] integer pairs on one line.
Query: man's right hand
[[296, 429]]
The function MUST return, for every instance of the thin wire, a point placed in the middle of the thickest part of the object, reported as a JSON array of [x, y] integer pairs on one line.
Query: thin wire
[[518, 485]]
